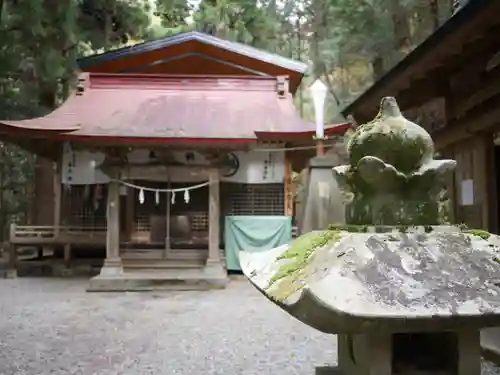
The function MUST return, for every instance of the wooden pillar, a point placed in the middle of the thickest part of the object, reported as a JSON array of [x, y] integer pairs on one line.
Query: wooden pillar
[[214, 216], [130, 212], [288, 193], [113, 264], [67, 255], [167, 221], [57, 197], [320, 147], [113, 220], [492, 186]]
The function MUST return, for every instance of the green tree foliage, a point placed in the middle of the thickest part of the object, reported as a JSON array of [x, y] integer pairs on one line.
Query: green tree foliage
[[39, 43]]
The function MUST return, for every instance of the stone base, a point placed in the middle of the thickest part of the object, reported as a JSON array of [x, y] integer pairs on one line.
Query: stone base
[[10, 274], [327, 370], [212, 276], [112, 267], [490, 344], [216, 273]]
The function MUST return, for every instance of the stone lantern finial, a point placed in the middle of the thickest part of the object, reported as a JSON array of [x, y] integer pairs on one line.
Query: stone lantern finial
[[392, 178]]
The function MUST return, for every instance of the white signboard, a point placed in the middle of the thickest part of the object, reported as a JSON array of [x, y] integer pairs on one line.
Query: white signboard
[[249, 167], [467, 193], [79, 167]]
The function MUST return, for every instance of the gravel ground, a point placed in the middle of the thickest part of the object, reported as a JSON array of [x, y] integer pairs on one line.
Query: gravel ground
[[52, 326]]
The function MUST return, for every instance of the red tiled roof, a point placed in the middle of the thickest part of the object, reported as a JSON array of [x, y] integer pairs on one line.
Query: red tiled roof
[[159, 106]]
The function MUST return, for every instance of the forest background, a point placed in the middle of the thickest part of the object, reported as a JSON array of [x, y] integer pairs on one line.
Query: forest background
[[349, 44]]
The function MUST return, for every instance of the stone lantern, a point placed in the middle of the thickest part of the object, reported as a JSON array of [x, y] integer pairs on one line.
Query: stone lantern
[[404, 294]]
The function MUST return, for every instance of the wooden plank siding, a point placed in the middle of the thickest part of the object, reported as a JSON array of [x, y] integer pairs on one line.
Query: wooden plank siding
[[474, 158]]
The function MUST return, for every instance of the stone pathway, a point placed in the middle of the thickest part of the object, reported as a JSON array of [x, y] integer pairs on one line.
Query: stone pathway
[[52, 326]]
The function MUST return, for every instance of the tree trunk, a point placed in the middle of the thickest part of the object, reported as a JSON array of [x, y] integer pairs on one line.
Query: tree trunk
[[378, 68], [434, 13], [401, 28]]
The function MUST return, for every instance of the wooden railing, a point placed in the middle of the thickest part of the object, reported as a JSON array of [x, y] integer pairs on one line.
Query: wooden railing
[[47, 234]]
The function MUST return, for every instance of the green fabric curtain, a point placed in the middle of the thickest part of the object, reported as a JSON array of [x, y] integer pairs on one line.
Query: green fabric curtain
[[254, 233]]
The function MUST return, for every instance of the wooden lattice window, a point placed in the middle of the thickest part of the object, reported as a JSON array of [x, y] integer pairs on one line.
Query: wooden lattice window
[[84, 205], [253, 199]]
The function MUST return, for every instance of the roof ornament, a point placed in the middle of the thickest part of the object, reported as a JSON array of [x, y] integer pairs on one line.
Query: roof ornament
[[83, 82], [282, 86], [391, 271]]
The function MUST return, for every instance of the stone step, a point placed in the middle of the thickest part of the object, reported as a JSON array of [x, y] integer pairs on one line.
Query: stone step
[[162, 264], [145, 280]]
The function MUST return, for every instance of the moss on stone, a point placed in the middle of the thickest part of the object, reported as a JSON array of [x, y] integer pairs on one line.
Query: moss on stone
[[478, 232], [351, 228], [297, 256]]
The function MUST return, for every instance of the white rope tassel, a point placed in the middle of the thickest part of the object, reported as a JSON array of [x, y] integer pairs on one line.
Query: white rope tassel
[[141, 196], [157, 197], [172, 200], [186, 196]]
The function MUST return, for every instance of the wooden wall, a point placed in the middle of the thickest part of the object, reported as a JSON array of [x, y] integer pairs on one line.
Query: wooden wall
[[45, 173], [475, 162]]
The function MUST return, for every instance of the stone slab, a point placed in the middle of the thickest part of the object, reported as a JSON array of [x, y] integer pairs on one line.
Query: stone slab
[[145, 281], [124, 284]]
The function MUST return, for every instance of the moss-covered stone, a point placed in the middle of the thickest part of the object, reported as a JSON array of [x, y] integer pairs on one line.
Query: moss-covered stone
[[478, 232], [295, 259]]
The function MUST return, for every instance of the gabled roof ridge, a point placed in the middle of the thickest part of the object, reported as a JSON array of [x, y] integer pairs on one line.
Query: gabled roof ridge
[[194, 35]]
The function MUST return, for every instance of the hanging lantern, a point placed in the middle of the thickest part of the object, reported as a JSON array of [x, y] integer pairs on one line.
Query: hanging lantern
[[157, 197], [186, 196], [141, 196]]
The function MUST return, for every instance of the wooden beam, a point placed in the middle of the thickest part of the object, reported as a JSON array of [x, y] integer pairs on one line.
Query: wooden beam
[[482, 117], [421, 91], [481, 88]]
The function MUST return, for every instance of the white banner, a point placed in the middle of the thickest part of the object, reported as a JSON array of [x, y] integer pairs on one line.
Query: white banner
[[255, 167], [250, 167]]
